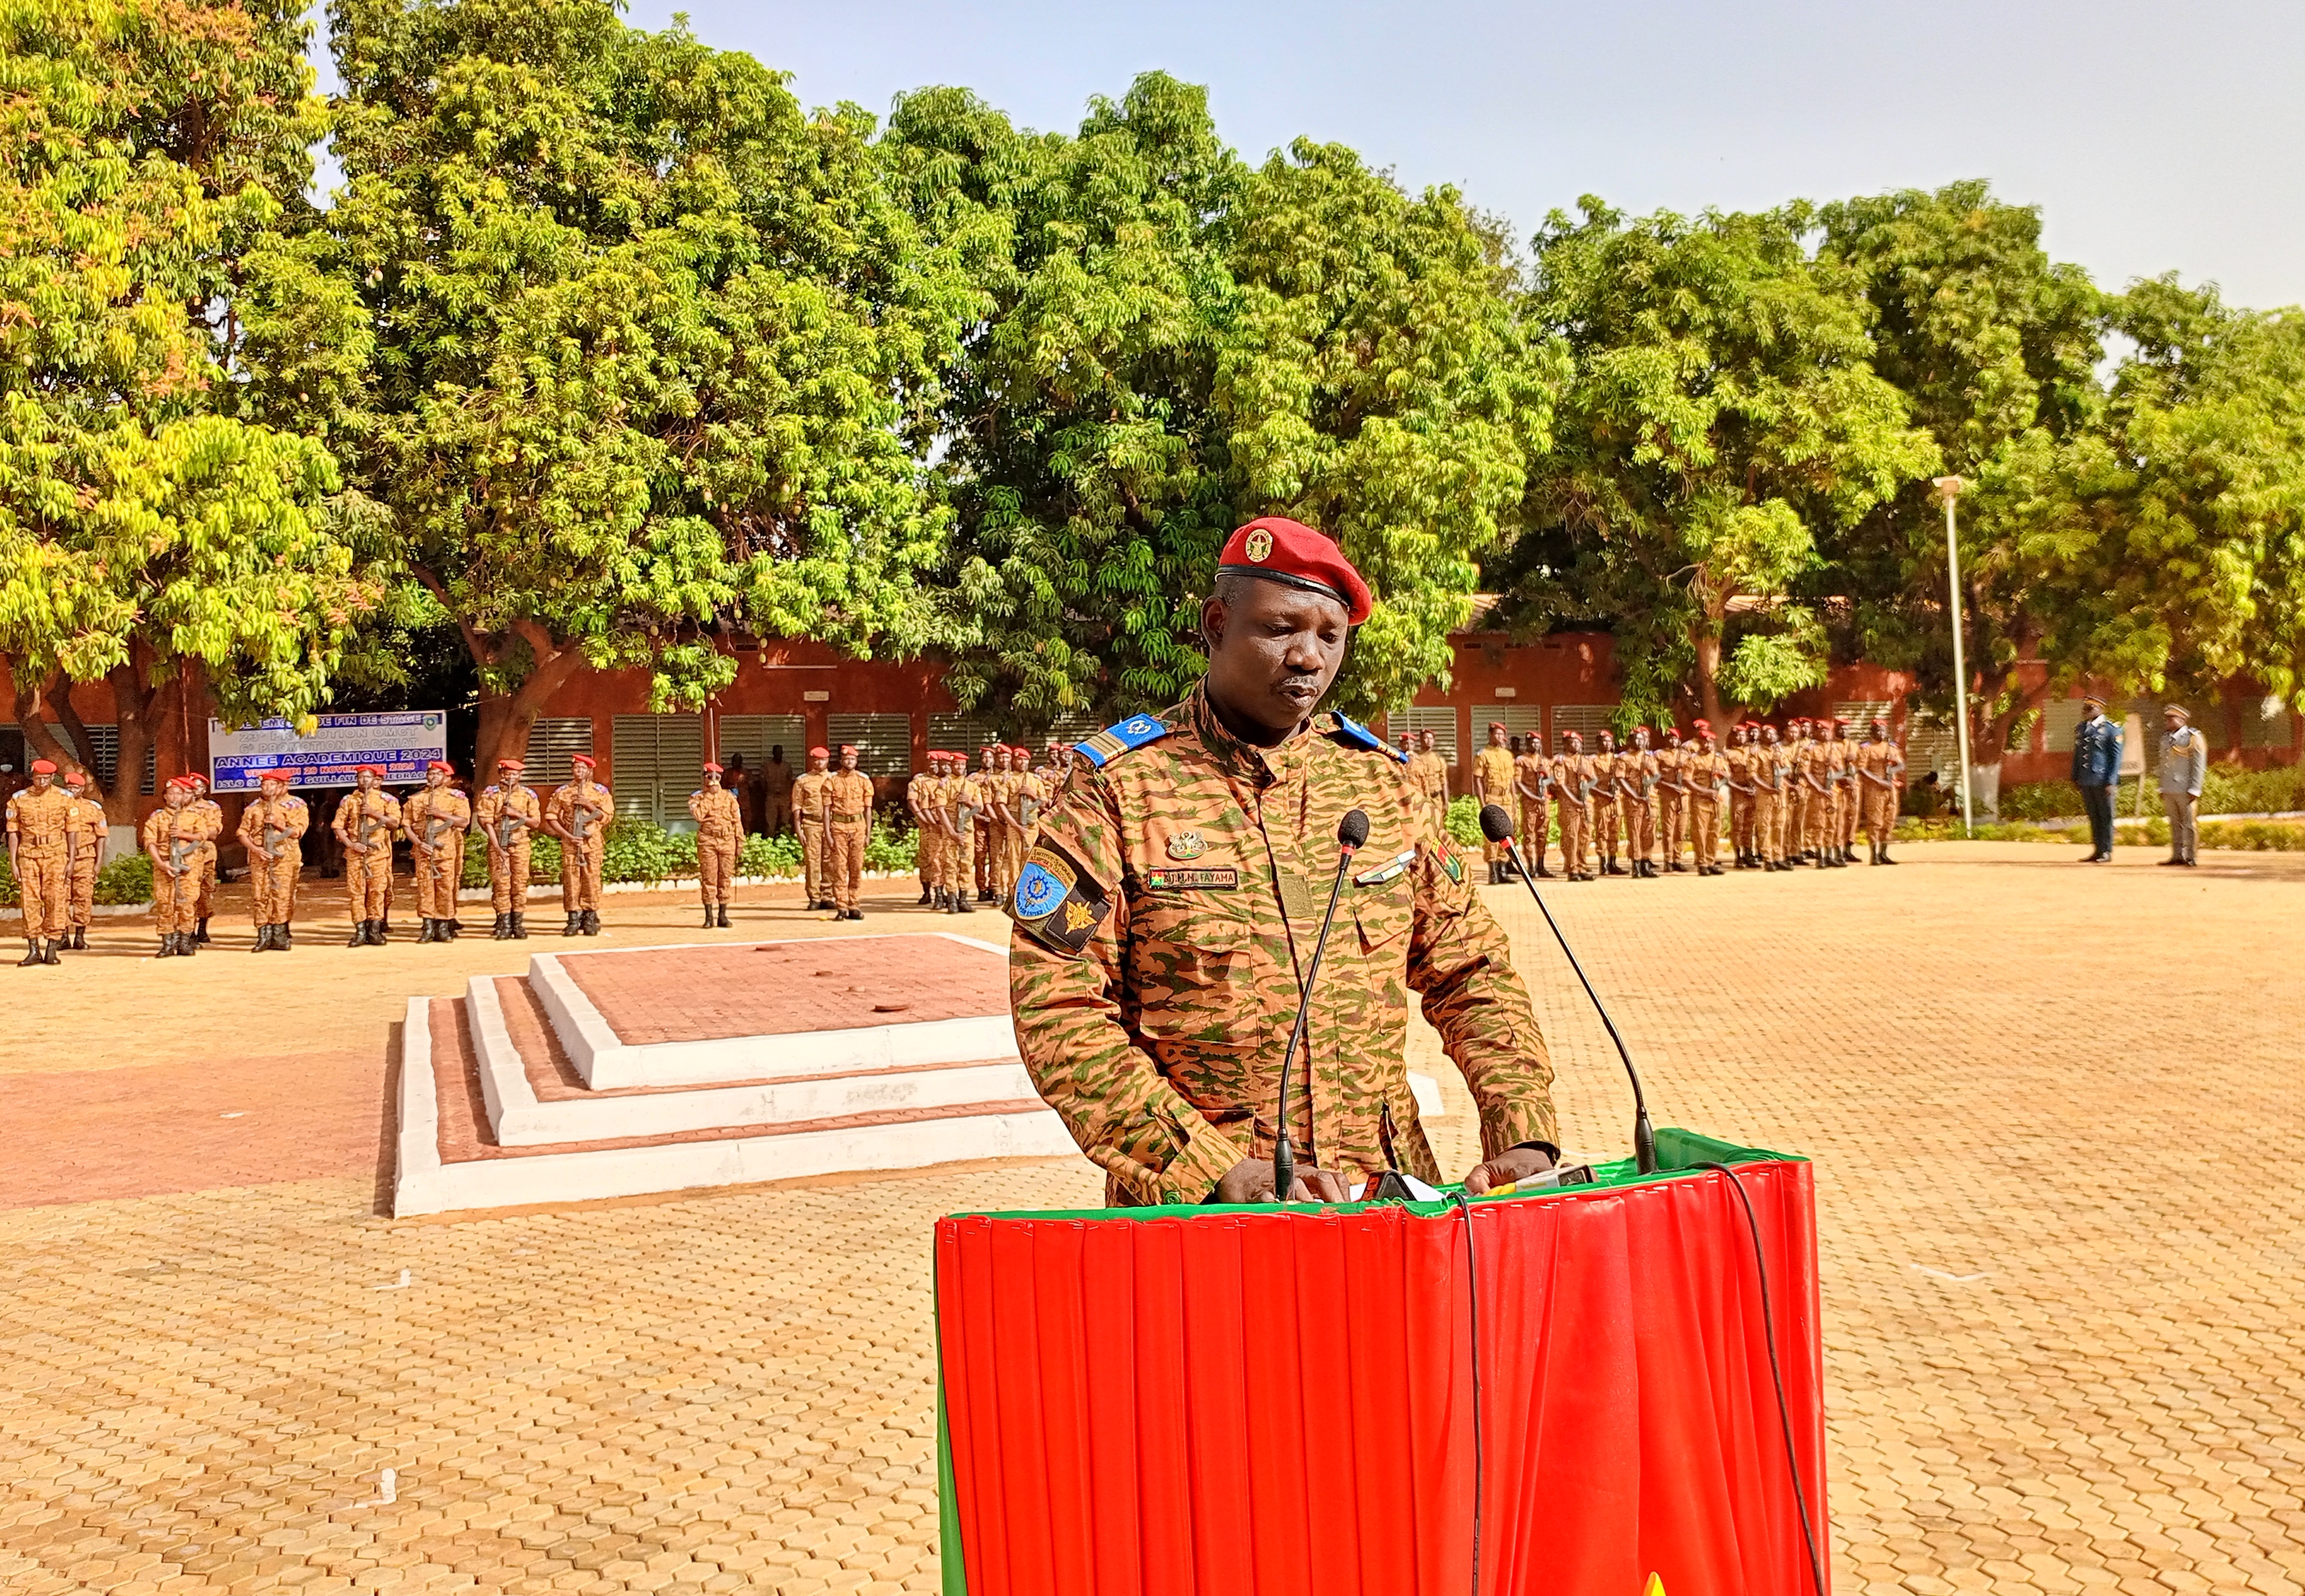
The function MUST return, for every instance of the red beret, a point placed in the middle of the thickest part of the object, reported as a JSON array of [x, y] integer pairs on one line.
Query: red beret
[[1496, 725], [585, 759], [819, 753], [190, 784], [714, 768], [358, 770], [43, 767], [82, 776], [1704, 726], [440, 764], [511, 765], [1292, 553], [848, 748]]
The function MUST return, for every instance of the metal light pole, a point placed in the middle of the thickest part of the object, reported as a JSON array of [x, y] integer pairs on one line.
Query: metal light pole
[[1949, 489]]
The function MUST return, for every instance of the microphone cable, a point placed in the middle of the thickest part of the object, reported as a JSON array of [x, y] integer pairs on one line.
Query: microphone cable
[[1776, 1374], [1473, 1321]]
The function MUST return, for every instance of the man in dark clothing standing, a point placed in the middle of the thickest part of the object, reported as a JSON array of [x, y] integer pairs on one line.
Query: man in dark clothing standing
[[2097, 772]]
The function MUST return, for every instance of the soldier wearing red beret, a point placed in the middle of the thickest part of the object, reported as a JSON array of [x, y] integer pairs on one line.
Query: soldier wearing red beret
[[720, 837], [366, 822], [509, 814], [1163, 915], [578, 813], [42, 839], [436, 818]]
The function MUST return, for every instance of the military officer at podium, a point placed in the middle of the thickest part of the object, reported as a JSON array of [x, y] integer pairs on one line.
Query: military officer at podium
[[1164, 916]]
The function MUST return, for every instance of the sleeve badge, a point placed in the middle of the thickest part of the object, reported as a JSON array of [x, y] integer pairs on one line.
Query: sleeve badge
[[1057, 901]]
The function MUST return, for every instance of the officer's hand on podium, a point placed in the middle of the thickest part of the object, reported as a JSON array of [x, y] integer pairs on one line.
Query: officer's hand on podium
[[1505, 1169], [1251, 1181]]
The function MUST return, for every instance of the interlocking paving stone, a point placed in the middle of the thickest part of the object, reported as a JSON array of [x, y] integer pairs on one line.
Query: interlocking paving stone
[[2079, 1084]]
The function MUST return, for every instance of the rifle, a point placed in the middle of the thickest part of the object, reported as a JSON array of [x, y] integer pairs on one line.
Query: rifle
[[506, 826], [370, 823], [433, 825], [579, 823], [273, 837], [177, 844]]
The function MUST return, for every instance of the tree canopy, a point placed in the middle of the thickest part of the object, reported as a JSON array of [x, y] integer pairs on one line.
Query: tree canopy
[[160, 504], [610, 353], [1179, 343], [657, 353]]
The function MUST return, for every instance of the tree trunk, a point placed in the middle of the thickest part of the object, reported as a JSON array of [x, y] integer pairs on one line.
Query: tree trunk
[[1706, 639], [507, 718], [33, 708], [132, 704]]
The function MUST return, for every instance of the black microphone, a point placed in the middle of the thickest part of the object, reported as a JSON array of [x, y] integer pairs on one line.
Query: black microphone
[[1497, 826], [1352, 831]]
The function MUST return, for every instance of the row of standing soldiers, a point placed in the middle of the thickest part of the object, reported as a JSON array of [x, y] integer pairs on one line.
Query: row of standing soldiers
[[1789, 798], [976, 827], [59, 840]]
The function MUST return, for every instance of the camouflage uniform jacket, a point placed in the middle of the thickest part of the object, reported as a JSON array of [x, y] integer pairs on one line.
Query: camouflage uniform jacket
[[1162, 924]]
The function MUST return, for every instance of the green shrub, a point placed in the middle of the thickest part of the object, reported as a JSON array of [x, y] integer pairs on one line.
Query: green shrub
[[127, 879], [639, 850], [894, 851], [2231, 791], [9, 897], [2042, 800], [1464, 823], [770, 856], [475, 871]]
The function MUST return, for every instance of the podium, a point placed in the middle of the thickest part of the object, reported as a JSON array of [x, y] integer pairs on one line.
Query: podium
[[1227, 1401]]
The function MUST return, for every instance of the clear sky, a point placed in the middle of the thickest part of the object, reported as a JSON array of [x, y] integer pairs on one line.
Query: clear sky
[[2154, 136]]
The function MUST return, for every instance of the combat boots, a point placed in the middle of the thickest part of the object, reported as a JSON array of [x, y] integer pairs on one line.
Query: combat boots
[[575, 926], [708, 917], [263, 940], [201, 932], [358, 938], [519, 926], [424, 931], [282, 939], [591, 925], [31, 954], [80, 938], [724, 917], [961, 906], [1611, 868], [502, 931]]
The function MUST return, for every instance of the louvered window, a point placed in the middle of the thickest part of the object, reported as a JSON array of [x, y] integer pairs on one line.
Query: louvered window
[[753, 736], [553, 741], [657, 764], [1441, 720], [1586, 721], [883, 742]]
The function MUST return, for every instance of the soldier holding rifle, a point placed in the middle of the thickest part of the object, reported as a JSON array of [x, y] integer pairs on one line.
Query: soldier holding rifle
[[1638, 775], [509, 814], [272, 829], [578, 814], [1165, 914], [366, 822], [1532, 777], [1880, 766], [1672, 796], [437, 819], [180, 839]]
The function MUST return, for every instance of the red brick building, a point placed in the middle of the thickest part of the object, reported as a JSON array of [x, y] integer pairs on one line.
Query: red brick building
[[796, 695]]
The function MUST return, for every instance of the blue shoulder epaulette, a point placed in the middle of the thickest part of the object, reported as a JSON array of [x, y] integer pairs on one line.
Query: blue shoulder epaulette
[[1357, 734], [1134, 732]]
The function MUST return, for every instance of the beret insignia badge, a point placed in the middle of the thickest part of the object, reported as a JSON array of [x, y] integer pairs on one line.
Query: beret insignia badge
[[1187, 845], [1258, 547]]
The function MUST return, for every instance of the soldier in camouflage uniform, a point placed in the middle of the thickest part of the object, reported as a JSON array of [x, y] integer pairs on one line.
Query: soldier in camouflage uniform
[[42, 838], [719, 837], [366, 822], [921, 797], [214, 810], [272, 830], [1165, 917], [178, 836], [509, 814], [578, 813], [436, 818], [87, 858]]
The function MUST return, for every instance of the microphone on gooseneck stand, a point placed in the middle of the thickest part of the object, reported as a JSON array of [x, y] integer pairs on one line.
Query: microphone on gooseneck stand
[[1352, 831], [1497, 826]]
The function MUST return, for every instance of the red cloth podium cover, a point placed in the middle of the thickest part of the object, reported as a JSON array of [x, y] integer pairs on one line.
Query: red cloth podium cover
[[1221, 1401]]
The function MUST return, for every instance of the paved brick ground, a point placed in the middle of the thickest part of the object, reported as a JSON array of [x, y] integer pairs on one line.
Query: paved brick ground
[[2056, 1111]]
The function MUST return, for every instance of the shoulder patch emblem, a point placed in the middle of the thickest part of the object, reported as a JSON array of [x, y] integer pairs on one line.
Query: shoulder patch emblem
[[1112, 741], [1187, 845], [1356, 734], [1056, 901], [1452, 864]]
